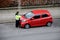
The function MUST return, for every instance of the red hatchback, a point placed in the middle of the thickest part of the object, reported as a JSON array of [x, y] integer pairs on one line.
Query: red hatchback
[[36, 18]]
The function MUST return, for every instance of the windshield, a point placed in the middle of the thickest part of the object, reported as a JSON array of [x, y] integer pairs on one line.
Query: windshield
[[29, 15]]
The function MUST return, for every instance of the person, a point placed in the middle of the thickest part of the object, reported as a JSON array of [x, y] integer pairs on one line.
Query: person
[[17, 17]]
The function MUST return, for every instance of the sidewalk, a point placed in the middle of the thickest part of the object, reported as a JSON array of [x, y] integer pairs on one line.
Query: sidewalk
[[9, 15]]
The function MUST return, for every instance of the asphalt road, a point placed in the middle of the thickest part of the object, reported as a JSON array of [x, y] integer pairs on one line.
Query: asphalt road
[[9, 32]]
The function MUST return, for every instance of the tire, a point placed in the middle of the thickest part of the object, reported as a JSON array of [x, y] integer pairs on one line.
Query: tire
[[27, 26], [49, 24]]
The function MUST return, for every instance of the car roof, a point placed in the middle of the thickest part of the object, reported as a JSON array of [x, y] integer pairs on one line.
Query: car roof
[[41, 12]]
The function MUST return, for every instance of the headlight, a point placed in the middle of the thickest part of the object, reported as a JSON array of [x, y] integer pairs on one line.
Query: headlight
[[23, 20]]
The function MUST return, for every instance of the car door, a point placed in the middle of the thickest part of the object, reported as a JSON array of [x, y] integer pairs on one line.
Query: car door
[[44, 19], [36, 20]]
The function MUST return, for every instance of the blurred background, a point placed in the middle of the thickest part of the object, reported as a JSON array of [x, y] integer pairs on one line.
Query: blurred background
[[24, 3]]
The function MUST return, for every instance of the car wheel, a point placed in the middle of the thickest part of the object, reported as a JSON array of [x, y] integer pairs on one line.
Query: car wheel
[[49, 24], [27, 26]]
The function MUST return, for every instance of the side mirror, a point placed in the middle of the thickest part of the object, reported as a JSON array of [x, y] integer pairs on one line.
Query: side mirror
[[32, 18]]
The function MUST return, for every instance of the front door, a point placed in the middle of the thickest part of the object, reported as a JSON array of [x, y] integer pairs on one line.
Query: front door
[[36, 20]]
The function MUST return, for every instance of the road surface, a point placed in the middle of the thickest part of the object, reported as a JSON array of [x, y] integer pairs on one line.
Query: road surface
[[9, 32]]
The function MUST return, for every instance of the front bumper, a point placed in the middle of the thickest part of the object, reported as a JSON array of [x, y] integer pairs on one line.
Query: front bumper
[[22, 24]]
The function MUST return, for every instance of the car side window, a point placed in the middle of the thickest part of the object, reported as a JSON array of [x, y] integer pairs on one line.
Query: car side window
[[44, 15], [36, 17]]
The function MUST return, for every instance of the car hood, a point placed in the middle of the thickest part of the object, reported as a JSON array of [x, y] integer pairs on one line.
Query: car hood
[[22, 18]]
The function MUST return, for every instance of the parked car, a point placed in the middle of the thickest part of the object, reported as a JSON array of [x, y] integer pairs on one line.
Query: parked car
[[36, 18]]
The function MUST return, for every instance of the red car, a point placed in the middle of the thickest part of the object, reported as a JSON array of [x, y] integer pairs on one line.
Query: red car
[[36, 18]]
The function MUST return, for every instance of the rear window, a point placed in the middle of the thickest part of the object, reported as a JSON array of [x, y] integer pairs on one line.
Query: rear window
[[44, 15]]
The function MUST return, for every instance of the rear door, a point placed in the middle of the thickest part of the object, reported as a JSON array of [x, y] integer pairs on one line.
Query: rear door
[[44, 19]]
